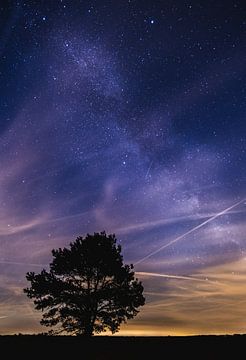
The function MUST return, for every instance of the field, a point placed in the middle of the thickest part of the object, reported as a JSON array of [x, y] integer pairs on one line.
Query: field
[[107, 347]]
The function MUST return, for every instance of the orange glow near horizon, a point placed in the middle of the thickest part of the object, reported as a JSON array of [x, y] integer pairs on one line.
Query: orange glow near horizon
[[209, 302]]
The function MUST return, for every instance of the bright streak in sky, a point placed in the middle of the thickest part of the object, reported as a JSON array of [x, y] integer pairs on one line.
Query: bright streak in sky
[[189, 232]]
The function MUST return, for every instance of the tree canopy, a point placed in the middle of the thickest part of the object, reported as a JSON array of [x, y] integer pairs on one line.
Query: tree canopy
[[88, 288]]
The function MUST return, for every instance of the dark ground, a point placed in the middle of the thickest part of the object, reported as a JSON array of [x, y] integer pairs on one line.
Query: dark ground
[[106, 347]]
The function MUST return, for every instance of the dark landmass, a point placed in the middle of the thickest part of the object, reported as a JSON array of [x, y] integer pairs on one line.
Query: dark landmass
[[112, 347]]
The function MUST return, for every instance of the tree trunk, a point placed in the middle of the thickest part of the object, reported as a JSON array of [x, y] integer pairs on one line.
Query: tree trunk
[[88, 330]]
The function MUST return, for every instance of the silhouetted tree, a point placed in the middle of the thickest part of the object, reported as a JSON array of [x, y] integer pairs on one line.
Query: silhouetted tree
[[88, 288]]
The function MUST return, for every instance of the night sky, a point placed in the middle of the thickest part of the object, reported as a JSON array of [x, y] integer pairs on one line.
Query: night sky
[[128, 117]]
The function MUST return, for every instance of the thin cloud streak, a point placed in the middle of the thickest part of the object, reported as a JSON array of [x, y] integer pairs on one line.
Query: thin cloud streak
[[159, 222], [21, 263]]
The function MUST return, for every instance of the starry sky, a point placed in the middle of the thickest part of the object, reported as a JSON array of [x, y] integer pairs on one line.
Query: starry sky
[[128, 117]]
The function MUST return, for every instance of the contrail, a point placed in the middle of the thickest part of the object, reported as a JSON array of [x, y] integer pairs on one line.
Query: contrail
[[179, 277], [189, 232]]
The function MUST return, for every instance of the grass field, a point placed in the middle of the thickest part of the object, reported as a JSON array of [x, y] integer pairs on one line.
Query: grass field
[[107, 347]]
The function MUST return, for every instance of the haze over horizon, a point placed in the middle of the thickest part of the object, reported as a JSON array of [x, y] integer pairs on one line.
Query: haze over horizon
[[128, 117]]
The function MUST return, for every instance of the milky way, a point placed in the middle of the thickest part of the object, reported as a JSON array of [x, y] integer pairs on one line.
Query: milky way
[[128, 117]]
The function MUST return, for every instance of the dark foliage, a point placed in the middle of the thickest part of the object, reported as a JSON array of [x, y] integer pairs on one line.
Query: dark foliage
[[88, 288]]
